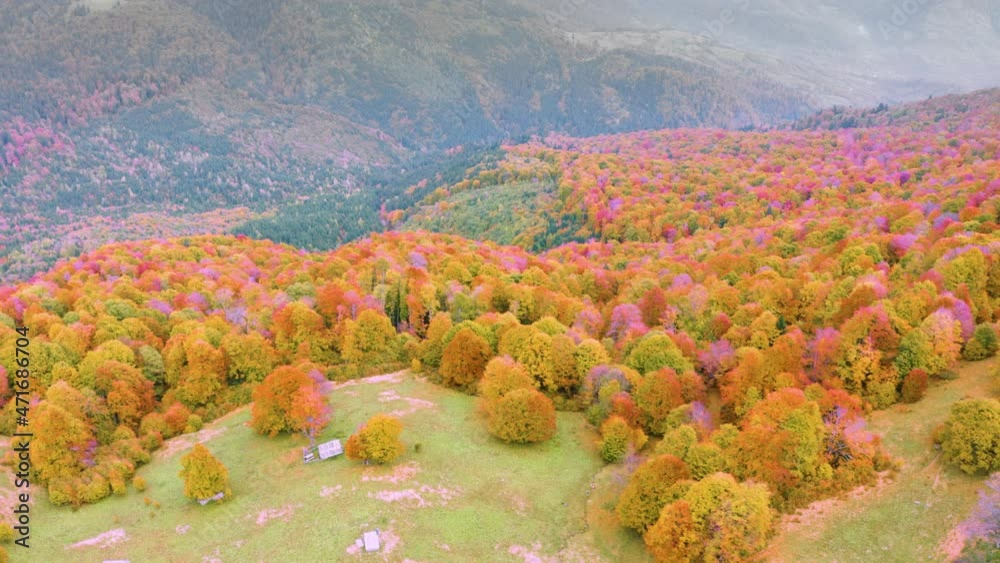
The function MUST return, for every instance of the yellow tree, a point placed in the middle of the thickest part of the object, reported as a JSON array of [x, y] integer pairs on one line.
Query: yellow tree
[[377, 441], [204, 475]]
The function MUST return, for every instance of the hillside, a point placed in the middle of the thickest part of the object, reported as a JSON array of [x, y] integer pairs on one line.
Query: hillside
[[736, 324], [515, 503], [109, 110], [688, 185], [916, 515]]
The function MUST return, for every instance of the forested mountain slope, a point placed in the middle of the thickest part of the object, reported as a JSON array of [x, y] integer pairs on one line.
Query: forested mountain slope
[[139, 106]]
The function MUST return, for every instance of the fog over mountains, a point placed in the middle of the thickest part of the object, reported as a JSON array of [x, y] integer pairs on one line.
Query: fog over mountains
[[874, 50]]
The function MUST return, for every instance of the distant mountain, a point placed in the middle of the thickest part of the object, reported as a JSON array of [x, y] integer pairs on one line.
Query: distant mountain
[[977, 110], [139, 106], [857, 52]]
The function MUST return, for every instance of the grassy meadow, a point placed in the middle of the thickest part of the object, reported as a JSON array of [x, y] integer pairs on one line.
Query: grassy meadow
[[463, 496]]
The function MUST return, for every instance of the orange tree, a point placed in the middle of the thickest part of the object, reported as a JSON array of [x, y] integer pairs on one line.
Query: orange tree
[[464, 359], [288, 400]]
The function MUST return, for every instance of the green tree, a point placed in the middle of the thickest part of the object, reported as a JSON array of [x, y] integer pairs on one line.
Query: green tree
[[249, 357], [617, 437], [59, 444], [659, 393], [982, 345], [972, 435], [371, 339], [657, 351]]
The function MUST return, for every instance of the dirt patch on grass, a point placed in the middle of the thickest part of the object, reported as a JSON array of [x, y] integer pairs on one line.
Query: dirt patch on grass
[[394, 377], [328, 491], [530, 554], [284, 514], [420, 498], [103, 541], [951, 546], [516, 502], [390, 541], [399, 473], [414, 403]]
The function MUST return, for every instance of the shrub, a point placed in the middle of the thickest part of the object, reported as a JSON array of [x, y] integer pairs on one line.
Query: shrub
[[155, 422], [194, 424], [6, 533], [94, 489], [718, 519], [914, 386], [972, 435], [522, 416], [377, 441], [678, 441], [204, 475], [62, 491], [151, 441], [656, 483], [615, 434], [118, 486], [982, 345]]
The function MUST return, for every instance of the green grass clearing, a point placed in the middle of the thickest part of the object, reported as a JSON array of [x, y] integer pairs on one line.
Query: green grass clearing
[[465, 496]]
